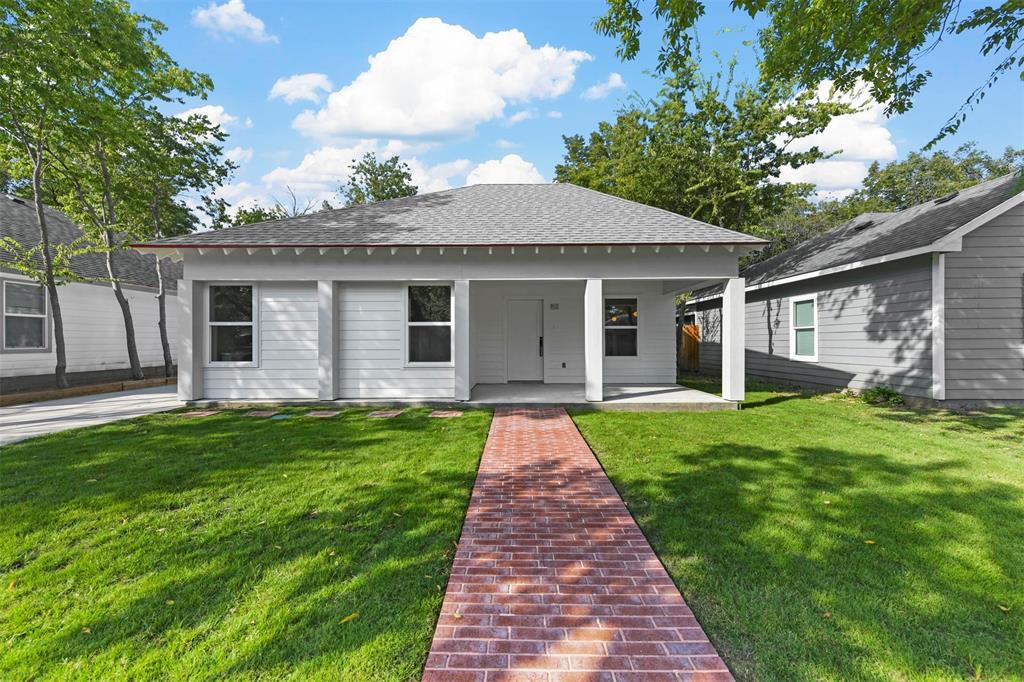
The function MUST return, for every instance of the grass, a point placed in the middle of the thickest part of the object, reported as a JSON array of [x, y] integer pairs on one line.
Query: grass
[[820, 538], [231, 546]]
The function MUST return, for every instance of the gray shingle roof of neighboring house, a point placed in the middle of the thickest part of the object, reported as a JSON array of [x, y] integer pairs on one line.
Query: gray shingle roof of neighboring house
[[18, 220], [873, 235], [478, 215]]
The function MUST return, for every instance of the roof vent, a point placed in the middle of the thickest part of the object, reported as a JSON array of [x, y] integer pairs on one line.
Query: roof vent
[[948, 197], [863, 225], [17, 200]]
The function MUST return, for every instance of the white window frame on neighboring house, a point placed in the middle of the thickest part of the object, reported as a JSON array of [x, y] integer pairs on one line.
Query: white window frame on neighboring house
[[408, 325], [793, 328], [44, 317], [210, 324], [621, 327]]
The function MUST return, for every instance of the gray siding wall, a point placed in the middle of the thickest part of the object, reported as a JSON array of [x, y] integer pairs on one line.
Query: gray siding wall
[[874, 328], [985, 312]]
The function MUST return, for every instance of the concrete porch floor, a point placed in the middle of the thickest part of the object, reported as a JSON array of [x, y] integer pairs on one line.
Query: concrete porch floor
[[636, 397]]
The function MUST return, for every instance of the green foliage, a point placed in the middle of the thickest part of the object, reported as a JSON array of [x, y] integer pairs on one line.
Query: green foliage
[[706, 147], [877, 42], [28, 259], [254, 213], [762, 518], [895, 186], [882, 395], [372, 180], [232, 547]]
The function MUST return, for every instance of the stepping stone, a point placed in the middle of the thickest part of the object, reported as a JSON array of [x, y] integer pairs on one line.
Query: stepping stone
[[444, 414], [278, 417], [323, 413], [200, 413], [384, 414], [261, 413]]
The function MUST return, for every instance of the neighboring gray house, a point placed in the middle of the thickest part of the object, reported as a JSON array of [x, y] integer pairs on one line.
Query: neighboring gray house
[[426, 297], [928, 301], [93, 325]]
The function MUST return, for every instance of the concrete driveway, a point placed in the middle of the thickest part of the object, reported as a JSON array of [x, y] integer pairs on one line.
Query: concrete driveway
[[37, 419]]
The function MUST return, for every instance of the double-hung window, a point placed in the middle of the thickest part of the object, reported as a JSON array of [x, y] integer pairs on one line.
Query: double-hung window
[[24, 316], [621, 325], [429, 324], [803, 332], [232, 324]]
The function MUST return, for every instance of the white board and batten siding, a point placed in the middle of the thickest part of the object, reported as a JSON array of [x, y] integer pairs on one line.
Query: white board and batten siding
[[371, 365], [874, 329], [286, 342], [984, 297], [94, 333]]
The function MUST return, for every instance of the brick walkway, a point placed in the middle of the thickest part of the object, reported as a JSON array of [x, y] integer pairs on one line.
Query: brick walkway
[[553, 579]]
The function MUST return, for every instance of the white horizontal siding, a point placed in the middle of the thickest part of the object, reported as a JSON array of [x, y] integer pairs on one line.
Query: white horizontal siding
[[94, 332], [563, 331], [287, 344], [371, 330], [985, 312]]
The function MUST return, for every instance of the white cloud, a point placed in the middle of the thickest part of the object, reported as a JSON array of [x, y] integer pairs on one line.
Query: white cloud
[[216, 115], [239, 154], [511, 168], [554, 114], [523, 115], [857, 139], [323, 171], [301, 86], [440, 80], [231, 20], [505, 144], [602, 90]]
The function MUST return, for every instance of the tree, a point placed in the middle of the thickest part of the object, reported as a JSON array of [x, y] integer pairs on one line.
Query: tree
[[180, 160], [373, 180], [97, 168], [892, 187], [878, 42], [56, 57], [707, 147]]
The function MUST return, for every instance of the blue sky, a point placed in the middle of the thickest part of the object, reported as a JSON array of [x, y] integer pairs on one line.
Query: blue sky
[[483, 91]]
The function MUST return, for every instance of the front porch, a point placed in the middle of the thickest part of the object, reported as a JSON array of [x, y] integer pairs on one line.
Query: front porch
[[634, 397]]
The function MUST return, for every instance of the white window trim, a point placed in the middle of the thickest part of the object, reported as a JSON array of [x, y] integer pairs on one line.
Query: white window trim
[[793, 328], [209, 325], [44, 317], [406, 324], [606, 327]]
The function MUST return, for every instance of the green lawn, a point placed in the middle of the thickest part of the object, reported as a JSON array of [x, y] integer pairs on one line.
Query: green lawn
[[817, 537], [231, 546]]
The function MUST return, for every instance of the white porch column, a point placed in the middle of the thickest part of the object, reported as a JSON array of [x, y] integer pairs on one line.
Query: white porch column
[[327, 334], [593, 340], [733, 339], [460, 321], [191, 330]]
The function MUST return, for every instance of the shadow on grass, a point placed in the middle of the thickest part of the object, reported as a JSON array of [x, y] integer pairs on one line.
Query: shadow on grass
[[818, 563], [232, 546]]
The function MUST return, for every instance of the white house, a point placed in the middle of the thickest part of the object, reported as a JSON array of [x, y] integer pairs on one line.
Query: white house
[[94, 333], [427, 297]]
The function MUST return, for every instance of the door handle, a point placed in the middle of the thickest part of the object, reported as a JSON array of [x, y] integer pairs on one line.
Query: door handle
[[541, 345]]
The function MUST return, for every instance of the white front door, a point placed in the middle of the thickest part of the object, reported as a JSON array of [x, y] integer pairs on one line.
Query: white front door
[[524, 334]]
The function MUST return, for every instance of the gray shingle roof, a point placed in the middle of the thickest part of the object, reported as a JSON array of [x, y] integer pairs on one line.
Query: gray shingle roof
[[888, 233], [18, 220], [478, 215]]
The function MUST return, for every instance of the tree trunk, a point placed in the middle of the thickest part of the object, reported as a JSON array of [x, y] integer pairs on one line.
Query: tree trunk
[[108, 238], [161, 297], [60, 369], [126, 311]]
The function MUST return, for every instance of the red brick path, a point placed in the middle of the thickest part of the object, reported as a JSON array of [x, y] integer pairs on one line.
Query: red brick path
[[553, 579]]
